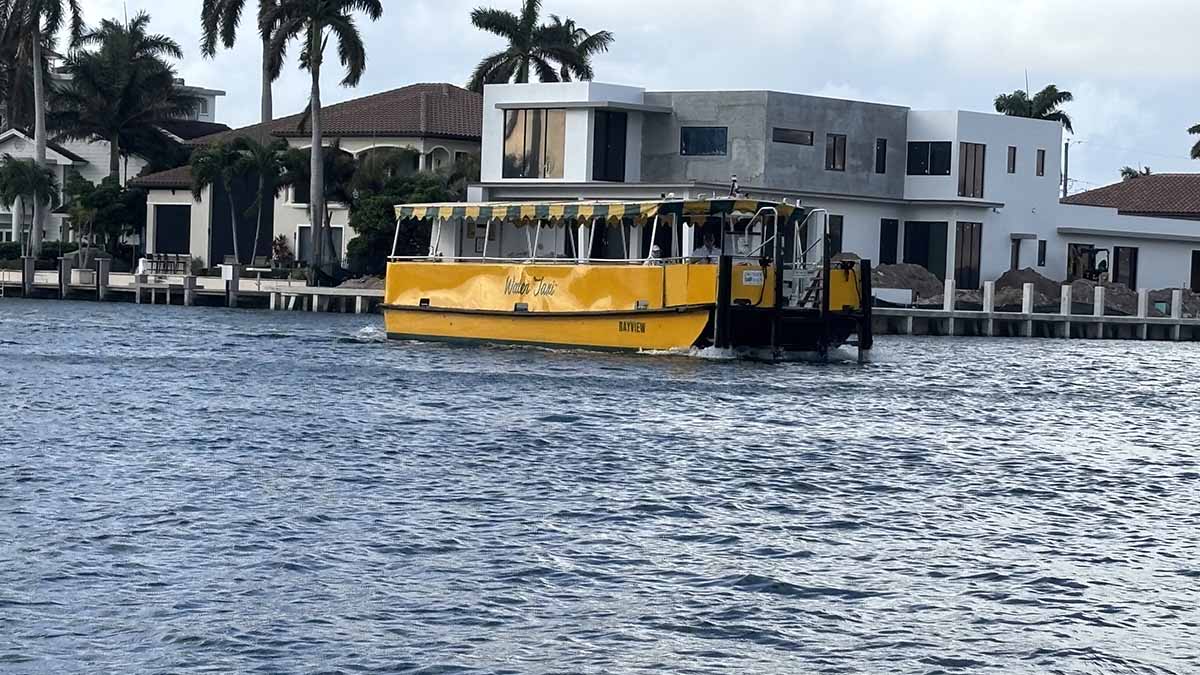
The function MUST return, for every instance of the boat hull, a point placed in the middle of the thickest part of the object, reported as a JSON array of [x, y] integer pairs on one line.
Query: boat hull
[[653, 330]]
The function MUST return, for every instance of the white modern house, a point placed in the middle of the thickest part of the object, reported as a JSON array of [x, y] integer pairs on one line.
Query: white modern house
[[437, 123], [967, 195]]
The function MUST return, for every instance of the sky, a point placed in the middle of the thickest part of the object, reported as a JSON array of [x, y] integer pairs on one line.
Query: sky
[[1132, 66]]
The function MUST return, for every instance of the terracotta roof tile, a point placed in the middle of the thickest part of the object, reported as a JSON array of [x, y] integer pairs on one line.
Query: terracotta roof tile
[[1161, 194], [177, 178]]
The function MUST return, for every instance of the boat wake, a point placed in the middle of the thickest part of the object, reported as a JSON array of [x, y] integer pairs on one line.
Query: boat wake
[[366, 335]]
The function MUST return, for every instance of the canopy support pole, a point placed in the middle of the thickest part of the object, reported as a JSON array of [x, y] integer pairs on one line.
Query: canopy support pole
[[487, 234]]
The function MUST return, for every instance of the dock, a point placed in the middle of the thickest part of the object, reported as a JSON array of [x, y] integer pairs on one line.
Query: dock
[[1064, 321], [187, 290]]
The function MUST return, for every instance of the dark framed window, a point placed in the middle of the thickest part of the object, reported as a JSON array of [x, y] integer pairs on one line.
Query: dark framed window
[[1041, 162], [967, 248], [1012, 159], [925, 245], [880, 155], [608, 145], [1125, 266], [704, 141], [835, 152], [971, 157], [792, 136], [836, 224], [1041, 252], [929, 158], [534, 143], [889, 239]]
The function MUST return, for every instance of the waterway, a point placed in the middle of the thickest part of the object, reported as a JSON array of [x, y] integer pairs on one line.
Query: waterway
[[206, 490]]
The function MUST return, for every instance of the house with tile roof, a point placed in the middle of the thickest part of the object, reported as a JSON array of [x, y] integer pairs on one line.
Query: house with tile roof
[[437, 123]]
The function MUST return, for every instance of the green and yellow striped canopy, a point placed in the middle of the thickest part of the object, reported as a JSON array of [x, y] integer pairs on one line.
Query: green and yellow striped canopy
[[527, 213]]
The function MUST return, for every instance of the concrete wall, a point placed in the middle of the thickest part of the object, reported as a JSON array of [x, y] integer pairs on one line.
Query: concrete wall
[[743, 113], [200, 215]]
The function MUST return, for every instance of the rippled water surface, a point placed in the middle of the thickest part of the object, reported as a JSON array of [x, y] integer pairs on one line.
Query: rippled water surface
[[202, 490]]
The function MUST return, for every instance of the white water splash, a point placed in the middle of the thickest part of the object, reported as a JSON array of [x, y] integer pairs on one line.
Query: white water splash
[[369, 334]]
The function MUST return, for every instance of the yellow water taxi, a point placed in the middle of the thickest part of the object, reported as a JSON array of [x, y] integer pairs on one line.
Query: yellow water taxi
[[668, 274]]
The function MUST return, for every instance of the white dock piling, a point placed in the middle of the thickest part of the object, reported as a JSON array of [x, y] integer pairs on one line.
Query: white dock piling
[[989, 306], [1027, 308], [1064, 308]]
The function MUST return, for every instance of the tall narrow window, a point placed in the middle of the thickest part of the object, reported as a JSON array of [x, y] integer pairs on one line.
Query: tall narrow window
[[929, 158], [880, 155], [889, 239], [970, 169], [835, 152], [534, 143], [702, 141], [1041, 162], [608, 147], [835, 234], [1041, 252], [967, 249], [1012, 159], [1125, 266]]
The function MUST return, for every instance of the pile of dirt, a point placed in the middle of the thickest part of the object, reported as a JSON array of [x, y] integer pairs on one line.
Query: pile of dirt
[[1016, 279], [912, 277], [364, 282]]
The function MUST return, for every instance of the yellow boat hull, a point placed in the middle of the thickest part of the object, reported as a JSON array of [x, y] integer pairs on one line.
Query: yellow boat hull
[[666, 329]]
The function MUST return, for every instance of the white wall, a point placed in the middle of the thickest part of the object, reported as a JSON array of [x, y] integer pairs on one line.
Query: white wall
[[200, 211]]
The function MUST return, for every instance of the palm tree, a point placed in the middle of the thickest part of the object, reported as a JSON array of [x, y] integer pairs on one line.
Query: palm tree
[[36, 22], [220, 19], [585, 45], [121, 90], [531, 46], [1194, 130], [22, 179], [266, 161], [317, 21], [223, 164], [1043, 106], [1129, 173], [16, 69]]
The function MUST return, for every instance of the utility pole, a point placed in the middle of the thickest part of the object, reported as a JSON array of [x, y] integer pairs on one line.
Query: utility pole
[[1066, 165]]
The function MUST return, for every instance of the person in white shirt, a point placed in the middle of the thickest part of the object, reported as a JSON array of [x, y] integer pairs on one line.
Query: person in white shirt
[[709, 252], [655, 256]]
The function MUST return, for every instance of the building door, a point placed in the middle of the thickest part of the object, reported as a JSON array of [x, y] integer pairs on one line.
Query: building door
[[967, 249], [1196, 271], [172, 228], [925, 245], [1125, 266], [889, 235], [1014, 258]]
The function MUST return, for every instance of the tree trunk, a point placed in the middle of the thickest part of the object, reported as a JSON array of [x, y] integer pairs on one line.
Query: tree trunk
[[237, 257], [267, 99], [262, 202], [39, 139], [114, 157], [316, 189]]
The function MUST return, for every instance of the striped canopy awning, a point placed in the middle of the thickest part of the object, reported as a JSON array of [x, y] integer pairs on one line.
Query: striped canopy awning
[[525, 213]]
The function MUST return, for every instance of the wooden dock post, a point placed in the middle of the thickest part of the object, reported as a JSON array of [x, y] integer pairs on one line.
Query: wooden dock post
[[28, 272], [189, 290], [139, 280], [65, 265], [103, 267], [1098, 311], [232, 274], [1064, 308], [989, 307], [1027, 308], [1177, 313], [1143, 310]]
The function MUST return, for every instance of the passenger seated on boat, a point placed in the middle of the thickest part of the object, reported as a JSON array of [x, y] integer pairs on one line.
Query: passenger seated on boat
[[709, 252], [655, 256]]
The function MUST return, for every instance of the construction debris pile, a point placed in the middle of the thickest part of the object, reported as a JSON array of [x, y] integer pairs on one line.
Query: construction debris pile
[[928, 292]]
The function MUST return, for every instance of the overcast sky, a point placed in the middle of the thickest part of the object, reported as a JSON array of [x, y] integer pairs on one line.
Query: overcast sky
[[1134, 67]]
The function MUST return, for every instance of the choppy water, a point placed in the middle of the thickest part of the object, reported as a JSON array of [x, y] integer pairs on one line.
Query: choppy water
[[204, 490]]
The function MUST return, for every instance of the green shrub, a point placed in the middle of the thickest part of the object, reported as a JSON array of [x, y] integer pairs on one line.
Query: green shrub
[[10, 250]]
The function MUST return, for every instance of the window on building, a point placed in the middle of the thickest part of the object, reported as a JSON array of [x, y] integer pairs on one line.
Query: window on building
[[1041, 252], [925, 245], [835, 152], [967, 249], [889, 239], [203, 106], [929, 158], [835, 234], [971, 158], [1041, 162], [880, 155], [792, 136], [1125, 266], [704, 141], [534, 143], [608, 146], [1012, 159]]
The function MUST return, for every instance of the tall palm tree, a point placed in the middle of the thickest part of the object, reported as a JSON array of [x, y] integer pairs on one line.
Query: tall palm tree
[[22, 179], [1195, 130], [16, 68], [220, 19], [36, 21], [531, 46], [220, 164], [1043, 106], [585, 45], [119, 91], [266, 161], [315, 21]]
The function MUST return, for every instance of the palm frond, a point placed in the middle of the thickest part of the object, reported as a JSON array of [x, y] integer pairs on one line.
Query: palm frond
[[496, 21]]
